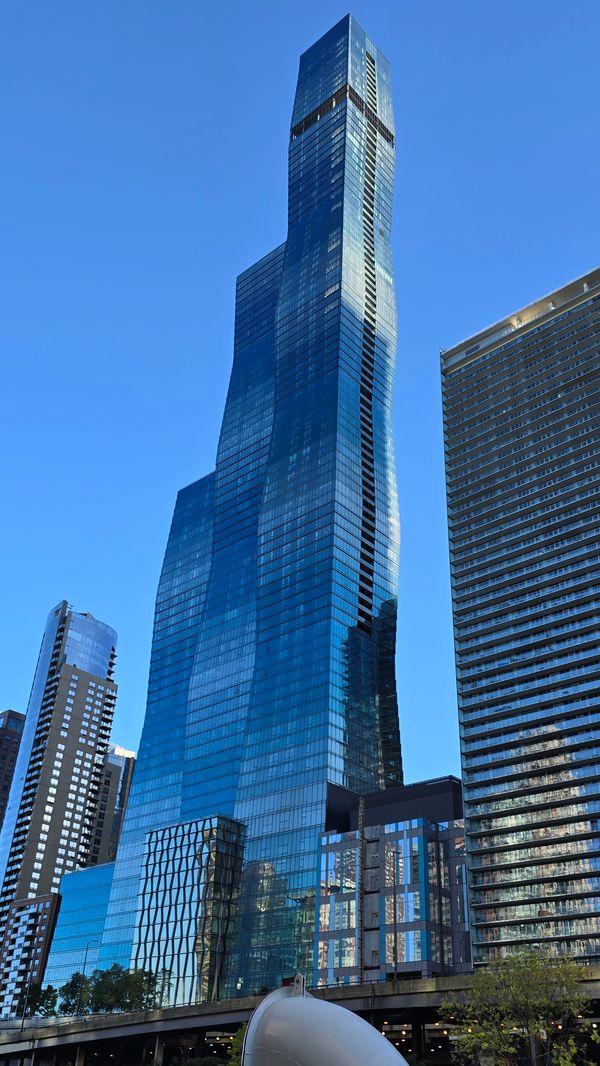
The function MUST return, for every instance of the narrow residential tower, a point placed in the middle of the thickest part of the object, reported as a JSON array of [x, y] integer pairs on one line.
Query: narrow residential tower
[[55, 799], [11, 731]]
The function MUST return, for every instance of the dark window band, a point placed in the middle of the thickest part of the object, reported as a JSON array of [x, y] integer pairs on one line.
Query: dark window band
[[343, 94]]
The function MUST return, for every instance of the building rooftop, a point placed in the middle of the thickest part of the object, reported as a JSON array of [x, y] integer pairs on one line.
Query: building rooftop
[[10, 719], [521, 321], [437, 799]]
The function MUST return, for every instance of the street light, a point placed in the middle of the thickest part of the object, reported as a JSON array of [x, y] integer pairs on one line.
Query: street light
[[26, 1002], [80, 994]]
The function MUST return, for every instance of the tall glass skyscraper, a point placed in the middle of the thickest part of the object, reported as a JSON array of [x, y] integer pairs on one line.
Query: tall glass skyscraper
[[522, 425], [272, 669]]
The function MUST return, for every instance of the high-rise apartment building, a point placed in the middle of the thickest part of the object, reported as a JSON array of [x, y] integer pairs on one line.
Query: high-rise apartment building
[[56, 791], [522, 434], [272, 670], [11, 731]]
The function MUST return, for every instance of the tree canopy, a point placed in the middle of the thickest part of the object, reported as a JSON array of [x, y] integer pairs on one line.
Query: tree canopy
[[115, 989], [525, 1007], [235, 1051], [37, 1000]]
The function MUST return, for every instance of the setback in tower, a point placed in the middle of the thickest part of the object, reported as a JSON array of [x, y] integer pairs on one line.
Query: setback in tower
[[272, 670]]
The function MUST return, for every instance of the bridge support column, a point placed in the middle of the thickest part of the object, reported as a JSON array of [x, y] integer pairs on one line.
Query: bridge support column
[[80, 1059], [159, 1048], [418, 1039]]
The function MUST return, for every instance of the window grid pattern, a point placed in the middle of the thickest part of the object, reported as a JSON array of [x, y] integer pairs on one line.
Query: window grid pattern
[[392, 901], [522, 432], [56, 797], [272, 669]]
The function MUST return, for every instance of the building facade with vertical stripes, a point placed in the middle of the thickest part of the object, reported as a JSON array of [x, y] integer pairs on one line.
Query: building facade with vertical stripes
[[522, 439], [54, 814]]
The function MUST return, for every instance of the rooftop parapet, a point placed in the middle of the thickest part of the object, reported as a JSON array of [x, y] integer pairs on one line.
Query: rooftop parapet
[[521, 321]]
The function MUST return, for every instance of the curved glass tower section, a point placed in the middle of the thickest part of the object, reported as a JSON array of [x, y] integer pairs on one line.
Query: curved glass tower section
[[272, 670]]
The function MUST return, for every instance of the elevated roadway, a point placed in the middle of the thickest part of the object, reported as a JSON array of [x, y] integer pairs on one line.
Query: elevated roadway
[[406, 1009]]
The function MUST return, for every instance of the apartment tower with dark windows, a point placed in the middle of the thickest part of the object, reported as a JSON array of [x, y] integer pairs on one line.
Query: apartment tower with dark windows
[[52, 815], [522, 438], [272, 670], [11, 731]]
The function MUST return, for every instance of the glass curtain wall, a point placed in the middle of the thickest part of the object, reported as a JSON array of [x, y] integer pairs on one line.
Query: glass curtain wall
[[272, 668]]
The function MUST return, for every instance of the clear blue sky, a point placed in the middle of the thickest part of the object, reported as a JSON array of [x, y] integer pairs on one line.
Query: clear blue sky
[[142, 166]]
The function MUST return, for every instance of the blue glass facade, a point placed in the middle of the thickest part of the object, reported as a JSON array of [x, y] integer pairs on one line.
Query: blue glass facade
[[522, 424], [76, 943], [157, 786], [272, 669], [190, 878]]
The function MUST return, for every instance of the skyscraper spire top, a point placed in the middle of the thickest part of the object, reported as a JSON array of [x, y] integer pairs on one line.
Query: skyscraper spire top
[[272, 672]]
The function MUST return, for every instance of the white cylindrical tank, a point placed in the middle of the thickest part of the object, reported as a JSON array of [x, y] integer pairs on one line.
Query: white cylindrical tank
[[291, 1028]]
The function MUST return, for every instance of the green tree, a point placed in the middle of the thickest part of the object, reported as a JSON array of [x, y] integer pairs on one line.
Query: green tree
[[74, 995], [37, 1001], [108, 990], [140, 990], [45, 1002], [235, 1051], [523, 1007]]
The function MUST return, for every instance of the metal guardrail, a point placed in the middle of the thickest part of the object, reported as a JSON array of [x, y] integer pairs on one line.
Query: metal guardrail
[[413, 994]]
